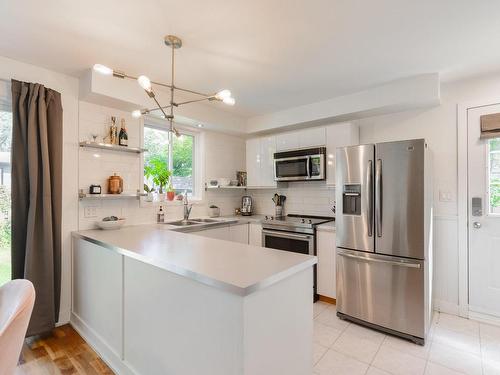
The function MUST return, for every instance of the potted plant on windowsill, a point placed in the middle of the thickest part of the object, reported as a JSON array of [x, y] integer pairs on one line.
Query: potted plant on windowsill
[[170, 190], [149, 191], [157, 170]]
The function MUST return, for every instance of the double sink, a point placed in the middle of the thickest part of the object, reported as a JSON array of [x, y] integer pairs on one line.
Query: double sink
[[200, 224]]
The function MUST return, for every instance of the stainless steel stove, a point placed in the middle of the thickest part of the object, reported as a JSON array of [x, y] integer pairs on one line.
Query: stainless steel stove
[[294, 223], [296, 233]]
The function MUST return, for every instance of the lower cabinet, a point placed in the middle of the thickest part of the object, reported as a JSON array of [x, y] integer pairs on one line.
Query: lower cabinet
[[325, 245], [235, 233], [220, 233], [239, 233], [255, 234]]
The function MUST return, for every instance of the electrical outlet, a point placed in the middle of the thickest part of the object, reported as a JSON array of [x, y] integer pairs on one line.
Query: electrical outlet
[[90, 212]]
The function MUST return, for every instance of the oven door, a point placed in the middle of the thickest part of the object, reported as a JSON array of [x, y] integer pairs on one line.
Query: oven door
[[288, 241], [294, 168]]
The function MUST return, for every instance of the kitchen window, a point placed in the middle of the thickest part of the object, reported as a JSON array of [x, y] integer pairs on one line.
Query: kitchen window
[[5, 195], [494, 175], [177, 154]]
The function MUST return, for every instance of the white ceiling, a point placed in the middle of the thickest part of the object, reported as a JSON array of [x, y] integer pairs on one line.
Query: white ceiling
[[273, 54]]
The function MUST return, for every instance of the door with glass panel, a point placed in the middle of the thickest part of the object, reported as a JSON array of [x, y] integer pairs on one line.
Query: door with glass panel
[[484, 211]]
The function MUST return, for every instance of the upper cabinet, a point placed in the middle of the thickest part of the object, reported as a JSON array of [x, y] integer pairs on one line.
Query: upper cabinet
[[260, 161], [312, 137], [260, 151], [338, 135]]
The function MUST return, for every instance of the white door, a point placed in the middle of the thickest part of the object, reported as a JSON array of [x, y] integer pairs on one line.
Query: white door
[[484, 216]]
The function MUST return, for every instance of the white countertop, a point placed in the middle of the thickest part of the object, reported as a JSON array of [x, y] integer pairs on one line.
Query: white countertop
[[234, 267]]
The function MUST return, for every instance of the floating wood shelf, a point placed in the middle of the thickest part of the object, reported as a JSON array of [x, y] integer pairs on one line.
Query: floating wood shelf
[[107, 146]]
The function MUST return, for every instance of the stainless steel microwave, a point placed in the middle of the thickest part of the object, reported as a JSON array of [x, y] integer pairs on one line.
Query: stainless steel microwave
[[300, 165]]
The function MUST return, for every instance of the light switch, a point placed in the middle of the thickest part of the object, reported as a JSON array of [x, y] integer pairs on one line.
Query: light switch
[[445, 196]]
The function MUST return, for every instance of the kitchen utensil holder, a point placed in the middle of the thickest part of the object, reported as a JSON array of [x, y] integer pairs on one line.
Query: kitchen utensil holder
[[278, 211]]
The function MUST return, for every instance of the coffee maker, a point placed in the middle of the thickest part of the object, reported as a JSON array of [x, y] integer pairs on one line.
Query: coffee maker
[[246, 205]]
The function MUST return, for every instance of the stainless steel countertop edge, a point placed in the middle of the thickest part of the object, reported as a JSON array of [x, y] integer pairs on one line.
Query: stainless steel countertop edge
[[241, 291]]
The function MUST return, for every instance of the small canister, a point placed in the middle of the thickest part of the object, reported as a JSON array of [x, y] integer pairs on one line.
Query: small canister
[[115, 184], [95, 189]]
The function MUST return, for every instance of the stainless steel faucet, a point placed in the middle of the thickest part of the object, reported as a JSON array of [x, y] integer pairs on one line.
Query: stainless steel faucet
[[187, 206]]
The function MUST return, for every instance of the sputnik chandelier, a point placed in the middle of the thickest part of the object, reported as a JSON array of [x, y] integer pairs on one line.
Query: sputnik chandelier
[[174, 43]]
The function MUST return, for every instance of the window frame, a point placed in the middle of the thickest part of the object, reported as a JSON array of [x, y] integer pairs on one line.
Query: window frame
[[489, 211], [159, 124]]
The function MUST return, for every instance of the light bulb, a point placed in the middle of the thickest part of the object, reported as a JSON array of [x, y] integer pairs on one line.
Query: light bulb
[[99, 68], [223, 94], [145, 83], [137, 113], [229, 101]]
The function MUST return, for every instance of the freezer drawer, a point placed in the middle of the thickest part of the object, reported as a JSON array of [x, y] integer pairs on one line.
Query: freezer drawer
[[382, 290]]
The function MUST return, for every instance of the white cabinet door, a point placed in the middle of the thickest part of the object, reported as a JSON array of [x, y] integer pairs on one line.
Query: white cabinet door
[[253, 161], [325, 242], [267, 150], [221, 233], [255, 234], [287, 141], [338, 135], [239, 233], [312, 137]]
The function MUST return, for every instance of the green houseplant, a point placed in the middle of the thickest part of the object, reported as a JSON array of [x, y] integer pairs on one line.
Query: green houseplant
[[157, 170]]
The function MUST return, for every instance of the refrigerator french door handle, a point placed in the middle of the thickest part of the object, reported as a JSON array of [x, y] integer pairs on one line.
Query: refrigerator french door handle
[[369, 179], [378, 197], [375, 260]]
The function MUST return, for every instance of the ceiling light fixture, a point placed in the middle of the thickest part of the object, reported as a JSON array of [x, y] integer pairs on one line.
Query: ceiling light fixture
[[174, 43]]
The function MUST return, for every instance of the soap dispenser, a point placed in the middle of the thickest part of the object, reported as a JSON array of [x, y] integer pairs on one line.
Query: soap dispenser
[[160, 216]]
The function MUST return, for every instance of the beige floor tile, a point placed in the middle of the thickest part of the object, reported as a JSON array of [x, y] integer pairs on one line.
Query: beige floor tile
[[330, 318], [458, 324], [319, 307], [435, 369], [457, 340], [397, 362], [325, 335], [376, 371], [318, 352], [334, 363], [408, 347], [455, 359], [359, 342]]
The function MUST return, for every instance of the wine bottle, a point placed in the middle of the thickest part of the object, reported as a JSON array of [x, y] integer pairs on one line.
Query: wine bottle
[[113, 131], [123, 136]]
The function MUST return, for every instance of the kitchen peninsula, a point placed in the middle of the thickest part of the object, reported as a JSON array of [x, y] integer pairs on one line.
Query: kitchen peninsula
[[152, 301]]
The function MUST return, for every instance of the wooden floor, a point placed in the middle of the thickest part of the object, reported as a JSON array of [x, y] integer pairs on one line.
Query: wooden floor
[[62, 352]]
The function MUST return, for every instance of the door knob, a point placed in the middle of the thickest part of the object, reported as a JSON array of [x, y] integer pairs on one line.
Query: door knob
[[477, 225]]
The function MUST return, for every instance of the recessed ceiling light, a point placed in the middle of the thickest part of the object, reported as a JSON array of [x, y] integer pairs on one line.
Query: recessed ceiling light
[[200, 125]]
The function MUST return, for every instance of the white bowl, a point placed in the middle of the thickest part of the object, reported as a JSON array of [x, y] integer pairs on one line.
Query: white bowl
[[224, 181], [108, 225]]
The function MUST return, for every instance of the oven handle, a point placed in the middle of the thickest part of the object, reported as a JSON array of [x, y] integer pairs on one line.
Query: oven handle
[[287, 235]]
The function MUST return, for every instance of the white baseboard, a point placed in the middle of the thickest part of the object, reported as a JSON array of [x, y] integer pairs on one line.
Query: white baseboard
[[484, 318], [446, 307], [108, 355]]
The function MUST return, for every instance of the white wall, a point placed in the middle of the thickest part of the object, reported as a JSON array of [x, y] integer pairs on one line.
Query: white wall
[[68, 87], [439, 127], [221, 156]]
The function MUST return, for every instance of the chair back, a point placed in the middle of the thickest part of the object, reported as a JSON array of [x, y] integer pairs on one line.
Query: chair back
[[17, 298]]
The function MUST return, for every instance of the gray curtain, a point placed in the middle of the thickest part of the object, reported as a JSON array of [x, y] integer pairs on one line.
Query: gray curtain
[[36, 197]]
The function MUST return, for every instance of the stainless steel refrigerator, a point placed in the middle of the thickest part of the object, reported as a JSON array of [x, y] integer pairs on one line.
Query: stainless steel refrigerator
[[384, 220]]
